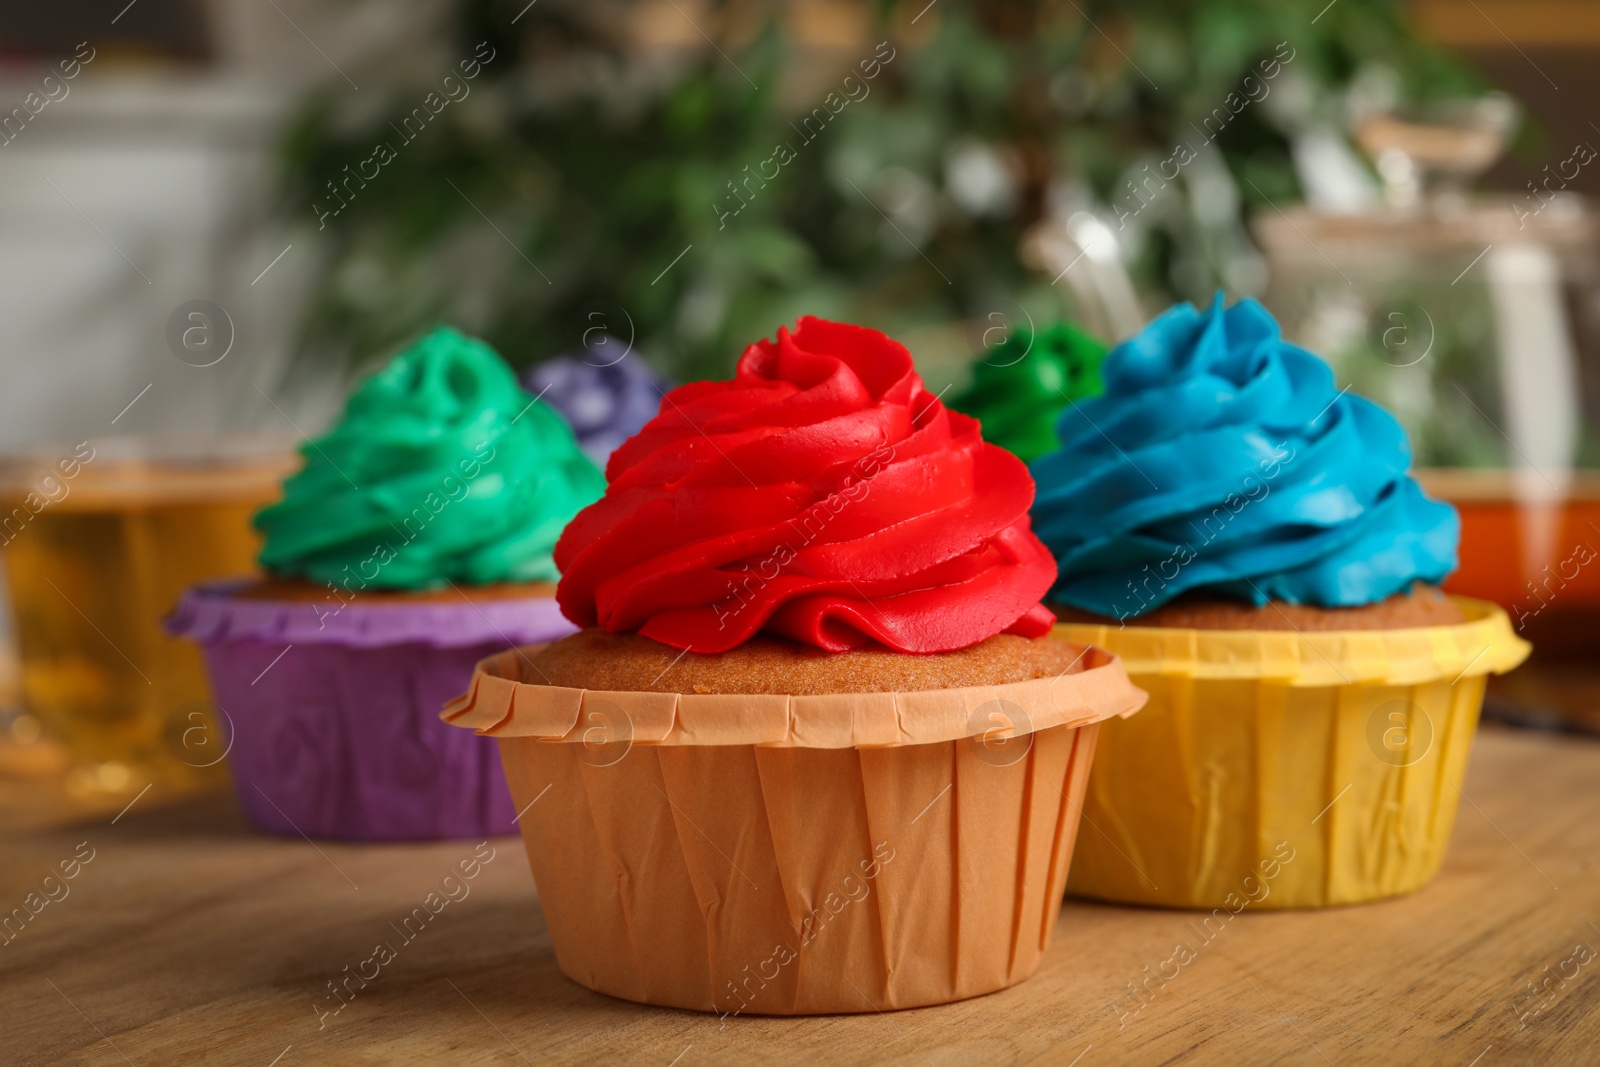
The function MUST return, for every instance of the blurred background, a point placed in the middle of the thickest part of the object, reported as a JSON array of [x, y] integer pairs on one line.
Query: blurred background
[[219, 212]]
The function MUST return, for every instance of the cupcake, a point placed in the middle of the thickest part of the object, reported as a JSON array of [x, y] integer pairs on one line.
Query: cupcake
[[416, 539], [1248, 539], [815, 749], [1019, 390], [606, 401]]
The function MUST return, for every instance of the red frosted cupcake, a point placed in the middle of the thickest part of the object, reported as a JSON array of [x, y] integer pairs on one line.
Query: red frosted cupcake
[[815, 750]]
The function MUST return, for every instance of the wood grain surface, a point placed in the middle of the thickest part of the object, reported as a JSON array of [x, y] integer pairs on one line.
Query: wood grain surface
[[188, 938]]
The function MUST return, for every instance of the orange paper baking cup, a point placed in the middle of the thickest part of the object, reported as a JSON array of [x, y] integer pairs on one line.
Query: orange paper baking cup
[[1345, 749], [784, 855]]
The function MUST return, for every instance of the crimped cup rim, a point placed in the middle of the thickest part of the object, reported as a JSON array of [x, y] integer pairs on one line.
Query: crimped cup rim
[[1483, 643], [498, 703], [210, 613]]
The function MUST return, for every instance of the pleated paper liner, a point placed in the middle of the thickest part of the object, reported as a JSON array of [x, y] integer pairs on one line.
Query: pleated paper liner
[[797, 855], [330, 708], [1344, 750]]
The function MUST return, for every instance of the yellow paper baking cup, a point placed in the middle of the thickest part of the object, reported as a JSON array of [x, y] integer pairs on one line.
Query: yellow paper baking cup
[[1343, 749], [780, 855]]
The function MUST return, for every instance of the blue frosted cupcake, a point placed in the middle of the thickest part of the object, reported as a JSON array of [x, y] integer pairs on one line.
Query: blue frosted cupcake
[[1248, 538]]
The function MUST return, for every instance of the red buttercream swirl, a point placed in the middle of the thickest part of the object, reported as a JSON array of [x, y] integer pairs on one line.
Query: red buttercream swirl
[[823, 495]]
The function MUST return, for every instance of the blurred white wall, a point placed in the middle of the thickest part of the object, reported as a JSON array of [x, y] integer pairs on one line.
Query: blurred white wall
[[150, 185], [122, 200], [145, 187]]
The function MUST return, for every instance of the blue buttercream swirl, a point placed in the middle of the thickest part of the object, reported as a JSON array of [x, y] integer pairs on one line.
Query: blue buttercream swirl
[[1221, 459]]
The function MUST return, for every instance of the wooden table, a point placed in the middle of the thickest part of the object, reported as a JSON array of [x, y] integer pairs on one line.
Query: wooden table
[[189, 938]]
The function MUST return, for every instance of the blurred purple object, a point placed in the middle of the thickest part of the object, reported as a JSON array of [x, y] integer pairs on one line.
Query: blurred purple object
[[604, 403], [335, 719]]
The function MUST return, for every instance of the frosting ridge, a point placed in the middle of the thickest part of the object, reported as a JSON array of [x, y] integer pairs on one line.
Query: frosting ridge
[[1222, 459], [823, 495]]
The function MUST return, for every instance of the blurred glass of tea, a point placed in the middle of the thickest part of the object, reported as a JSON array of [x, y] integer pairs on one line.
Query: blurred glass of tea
[[99, 538]]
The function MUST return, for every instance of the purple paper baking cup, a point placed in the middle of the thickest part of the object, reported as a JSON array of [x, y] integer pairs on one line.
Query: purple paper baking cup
[[334, 710]]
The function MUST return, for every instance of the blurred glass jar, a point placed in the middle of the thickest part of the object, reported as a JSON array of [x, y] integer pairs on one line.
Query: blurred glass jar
[[99, 538], [1461, 321], [1474, 321], [1475, 318]]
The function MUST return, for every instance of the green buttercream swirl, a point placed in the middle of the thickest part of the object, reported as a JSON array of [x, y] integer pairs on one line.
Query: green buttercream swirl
[[442, 470], [1019, 390]]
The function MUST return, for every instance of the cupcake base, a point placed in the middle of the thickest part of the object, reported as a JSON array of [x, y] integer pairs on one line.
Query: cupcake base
[[331, 707], [748, 880], [1343, 751], [342, 743], [746, 853]]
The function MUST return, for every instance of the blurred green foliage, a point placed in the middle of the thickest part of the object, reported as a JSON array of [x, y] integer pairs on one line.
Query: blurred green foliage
[[554, 198]]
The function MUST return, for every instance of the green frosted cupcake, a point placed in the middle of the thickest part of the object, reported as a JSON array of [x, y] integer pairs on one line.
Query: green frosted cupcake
[[443, 469], [415, 541], [1019, 390]]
